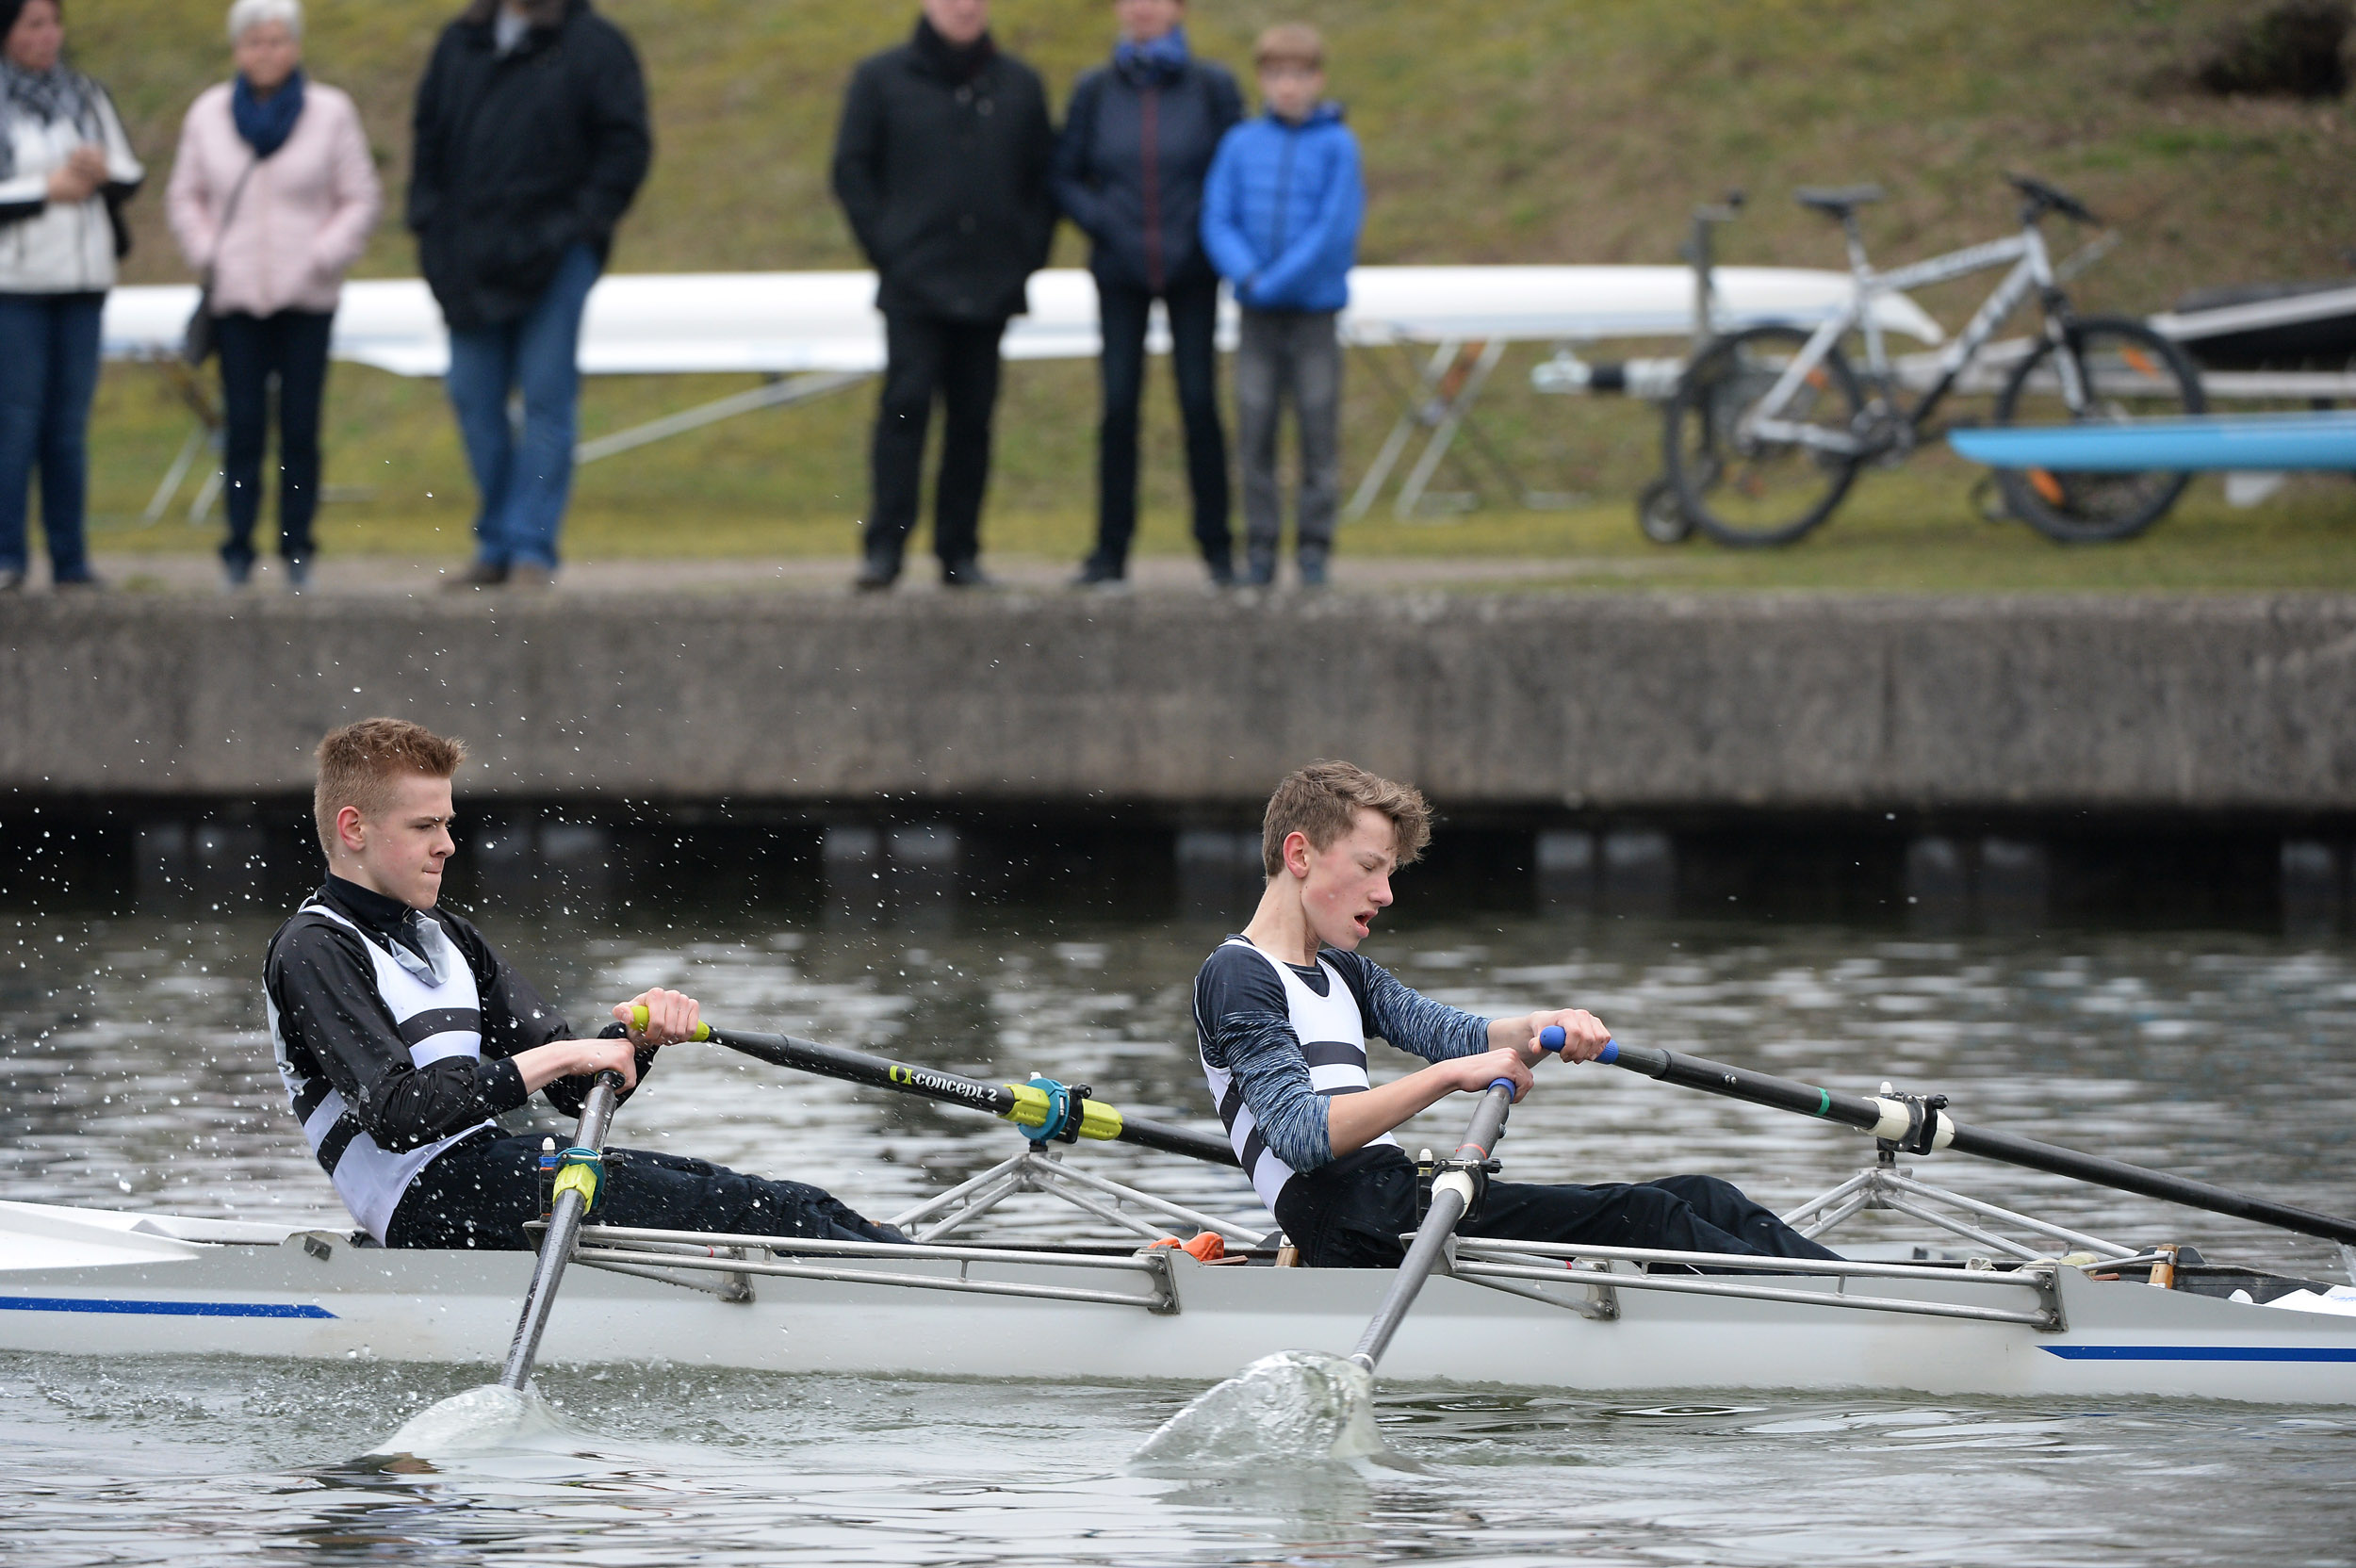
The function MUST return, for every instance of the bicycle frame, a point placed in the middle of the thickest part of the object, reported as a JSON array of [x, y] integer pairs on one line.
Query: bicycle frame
[[2032, 269]]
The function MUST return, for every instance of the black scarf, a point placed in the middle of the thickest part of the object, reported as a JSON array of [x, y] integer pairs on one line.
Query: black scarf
[[959, 62]]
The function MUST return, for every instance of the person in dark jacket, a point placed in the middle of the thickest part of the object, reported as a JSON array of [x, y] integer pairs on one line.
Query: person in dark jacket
[[531, 142], [941, 166], [1137, 143], [1281, 213]]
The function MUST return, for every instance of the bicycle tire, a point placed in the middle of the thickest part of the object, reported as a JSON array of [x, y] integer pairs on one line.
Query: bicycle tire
[[1660, 517], [1721, 483], [2100, 508]]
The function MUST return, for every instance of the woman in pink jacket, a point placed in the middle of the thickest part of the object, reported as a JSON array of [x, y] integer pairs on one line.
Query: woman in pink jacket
[[272, 198]]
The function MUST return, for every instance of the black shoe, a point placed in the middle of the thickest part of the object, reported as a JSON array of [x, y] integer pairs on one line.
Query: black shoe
[[965, 574], [87, 583], [1098, 573], [1260, 574], [1222, 573], [877, 573], [483, 574]]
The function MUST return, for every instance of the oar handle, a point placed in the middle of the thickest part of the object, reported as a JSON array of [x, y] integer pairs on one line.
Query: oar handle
[[1552, 1040], [640, 1018]]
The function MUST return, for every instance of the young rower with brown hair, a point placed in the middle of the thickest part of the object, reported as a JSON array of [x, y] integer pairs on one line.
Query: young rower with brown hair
[[1283, 1013], [401, 1036]]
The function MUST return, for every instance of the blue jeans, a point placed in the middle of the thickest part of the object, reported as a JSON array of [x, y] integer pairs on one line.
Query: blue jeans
[[525, 481], [48, 374]]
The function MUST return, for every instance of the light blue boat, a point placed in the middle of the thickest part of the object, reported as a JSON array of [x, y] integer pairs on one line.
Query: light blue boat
[[2241, 442]]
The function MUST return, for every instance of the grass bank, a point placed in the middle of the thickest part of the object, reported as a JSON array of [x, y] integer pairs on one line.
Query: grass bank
[[1496, 130]]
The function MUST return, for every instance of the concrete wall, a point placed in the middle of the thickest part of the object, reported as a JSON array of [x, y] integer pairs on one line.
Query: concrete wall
[[1613, 702]]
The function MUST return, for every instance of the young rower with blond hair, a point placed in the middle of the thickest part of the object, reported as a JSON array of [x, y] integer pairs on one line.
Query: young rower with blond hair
[[1283, 1013], [403, 1037]]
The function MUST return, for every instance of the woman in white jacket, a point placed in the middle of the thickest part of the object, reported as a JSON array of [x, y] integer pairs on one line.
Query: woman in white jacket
[[65, 170], [272, 196]]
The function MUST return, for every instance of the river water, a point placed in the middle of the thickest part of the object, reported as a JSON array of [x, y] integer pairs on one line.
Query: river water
[[139, 1078]]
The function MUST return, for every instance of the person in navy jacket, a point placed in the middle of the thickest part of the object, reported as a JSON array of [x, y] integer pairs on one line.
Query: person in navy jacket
[[1137, 143], [1281, 214]]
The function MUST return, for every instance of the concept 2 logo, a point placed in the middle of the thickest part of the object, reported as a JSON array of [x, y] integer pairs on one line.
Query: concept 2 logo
[[940, 1084]]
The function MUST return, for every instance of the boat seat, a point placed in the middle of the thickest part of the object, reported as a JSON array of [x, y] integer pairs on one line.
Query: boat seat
[[1836, 201]]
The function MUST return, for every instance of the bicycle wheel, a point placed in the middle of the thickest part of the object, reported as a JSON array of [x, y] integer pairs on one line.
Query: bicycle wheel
[[2129, 372], [1737, 488], [1658, 517]]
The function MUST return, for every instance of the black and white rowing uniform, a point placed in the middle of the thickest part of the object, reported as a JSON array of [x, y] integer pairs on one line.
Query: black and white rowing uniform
[[1279, 1040], [392, 1029]]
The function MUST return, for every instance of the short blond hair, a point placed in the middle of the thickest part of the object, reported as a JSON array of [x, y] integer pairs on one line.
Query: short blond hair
[[359, 763], [1322, 800], [1289, 43]]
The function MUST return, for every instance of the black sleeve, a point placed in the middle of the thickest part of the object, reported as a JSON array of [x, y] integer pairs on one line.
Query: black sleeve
[[1038, 196], [516, 1017], [621, 141], [859, 158], [1407, 1019], [322, 984], [425, 138]]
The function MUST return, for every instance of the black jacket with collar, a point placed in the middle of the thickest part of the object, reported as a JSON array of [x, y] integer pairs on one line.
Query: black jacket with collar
[[941, 166], [519, 157]]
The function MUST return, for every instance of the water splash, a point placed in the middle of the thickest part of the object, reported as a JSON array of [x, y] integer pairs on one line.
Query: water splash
[[490, 1418], [1296, 1405]]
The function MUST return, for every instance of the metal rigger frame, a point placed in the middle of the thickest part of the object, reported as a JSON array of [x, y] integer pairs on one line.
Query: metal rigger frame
[[691, 1258]]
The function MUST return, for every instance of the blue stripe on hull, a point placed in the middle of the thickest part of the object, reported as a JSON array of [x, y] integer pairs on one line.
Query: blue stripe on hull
[[2250, 441], [2199, 1352], [161, 1309]]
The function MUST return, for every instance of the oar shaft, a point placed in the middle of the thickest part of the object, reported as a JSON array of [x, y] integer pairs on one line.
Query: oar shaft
[[1449, 1195], [1872, 1116], [556, 1246], [856, 1067]]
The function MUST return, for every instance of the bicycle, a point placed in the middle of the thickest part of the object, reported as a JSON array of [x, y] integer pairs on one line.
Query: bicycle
[[1769, 427]]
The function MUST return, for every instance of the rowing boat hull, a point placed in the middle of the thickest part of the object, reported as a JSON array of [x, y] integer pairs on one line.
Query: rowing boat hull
[[115, 1294]]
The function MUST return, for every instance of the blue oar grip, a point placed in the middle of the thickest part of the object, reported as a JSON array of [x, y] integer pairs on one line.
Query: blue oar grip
[[1552, 1039]]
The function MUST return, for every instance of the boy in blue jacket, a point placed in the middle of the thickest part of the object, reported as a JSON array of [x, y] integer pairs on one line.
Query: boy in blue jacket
[[1281, 213]]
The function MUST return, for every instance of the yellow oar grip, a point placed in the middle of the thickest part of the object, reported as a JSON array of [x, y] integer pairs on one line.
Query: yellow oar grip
[[639, 1018], [1031, 1106]]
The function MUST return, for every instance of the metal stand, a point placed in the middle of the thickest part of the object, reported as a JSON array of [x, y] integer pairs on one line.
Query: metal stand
[[1441, 402], [1036, 1169]]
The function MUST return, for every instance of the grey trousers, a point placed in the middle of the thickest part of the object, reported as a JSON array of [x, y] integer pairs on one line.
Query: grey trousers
[[1289, 354]]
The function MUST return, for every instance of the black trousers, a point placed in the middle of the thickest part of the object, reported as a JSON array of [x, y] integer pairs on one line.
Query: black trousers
[[1352, 1213], [1123, 310], [929, 357], [289, 348], [482, 1192]]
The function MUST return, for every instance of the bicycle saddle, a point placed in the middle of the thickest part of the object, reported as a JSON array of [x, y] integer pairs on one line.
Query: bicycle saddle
[[1836, 201], [2043, 198]]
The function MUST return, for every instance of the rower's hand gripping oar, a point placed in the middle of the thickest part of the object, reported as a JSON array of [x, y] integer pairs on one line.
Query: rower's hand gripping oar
[[1451, 1196], [1919, 1126], [1045, 1110]]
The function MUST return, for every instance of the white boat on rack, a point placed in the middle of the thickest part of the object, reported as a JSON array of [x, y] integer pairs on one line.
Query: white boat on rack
[[1989, 1311]]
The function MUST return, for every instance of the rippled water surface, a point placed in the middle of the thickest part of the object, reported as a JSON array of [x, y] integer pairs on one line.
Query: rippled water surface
[[139, 1079]]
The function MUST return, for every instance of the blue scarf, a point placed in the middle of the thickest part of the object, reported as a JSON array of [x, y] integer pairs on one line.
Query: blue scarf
[[267, 123], [1157, 63]]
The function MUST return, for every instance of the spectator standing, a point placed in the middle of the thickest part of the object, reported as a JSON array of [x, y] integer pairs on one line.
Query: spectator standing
[[942, 167], [531, 142], [1281, 214], [1137, 143], [272, 198], [65, 170]]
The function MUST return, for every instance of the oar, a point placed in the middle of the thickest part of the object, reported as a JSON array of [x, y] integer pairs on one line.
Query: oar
[[1071, 1114], [1451, 1195], [1920, 1127], [564, 1216]]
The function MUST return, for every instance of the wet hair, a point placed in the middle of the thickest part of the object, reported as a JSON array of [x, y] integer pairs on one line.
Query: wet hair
[[247, 14], [1289, 43], [1321, 801], [360, 762]]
